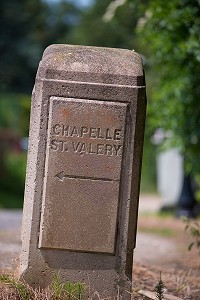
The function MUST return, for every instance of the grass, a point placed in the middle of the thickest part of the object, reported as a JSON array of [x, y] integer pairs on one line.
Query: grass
[[21, 290], [165, 232], [158, 223], [158, 215], [66, 290], [160, 289], [11, 288]]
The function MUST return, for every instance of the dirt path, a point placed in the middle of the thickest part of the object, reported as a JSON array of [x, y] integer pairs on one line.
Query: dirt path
[[161, 242], [161, 246], [10, 243]]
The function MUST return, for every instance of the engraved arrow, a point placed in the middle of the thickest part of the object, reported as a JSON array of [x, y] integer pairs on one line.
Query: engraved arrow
[[61, 176]]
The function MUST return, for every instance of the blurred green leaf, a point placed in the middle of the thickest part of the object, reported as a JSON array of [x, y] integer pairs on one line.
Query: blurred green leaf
[[169, 33]]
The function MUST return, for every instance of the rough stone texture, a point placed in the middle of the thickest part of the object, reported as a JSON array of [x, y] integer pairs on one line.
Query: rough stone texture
[[83, 171], [83, 168]]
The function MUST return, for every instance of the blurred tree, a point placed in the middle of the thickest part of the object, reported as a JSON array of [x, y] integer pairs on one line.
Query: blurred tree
[[14, 120], [113, 23], [169, 32], [27, 28], [99, 28]]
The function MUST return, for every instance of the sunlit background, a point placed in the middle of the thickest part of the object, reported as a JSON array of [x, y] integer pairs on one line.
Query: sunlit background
[[165, 33]]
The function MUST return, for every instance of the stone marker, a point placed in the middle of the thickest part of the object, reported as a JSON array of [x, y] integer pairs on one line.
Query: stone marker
[[83, 172]]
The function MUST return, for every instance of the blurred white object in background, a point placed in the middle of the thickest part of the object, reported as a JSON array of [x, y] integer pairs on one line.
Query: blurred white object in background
[[169, 176]]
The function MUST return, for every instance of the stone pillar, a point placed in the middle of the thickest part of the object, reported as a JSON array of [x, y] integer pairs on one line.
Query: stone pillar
[[83, 171]]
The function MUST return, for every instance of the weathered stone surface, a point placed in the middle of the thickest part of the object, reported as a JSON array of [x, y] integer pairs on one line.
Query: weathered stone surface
[[83, 171], [83, 168]]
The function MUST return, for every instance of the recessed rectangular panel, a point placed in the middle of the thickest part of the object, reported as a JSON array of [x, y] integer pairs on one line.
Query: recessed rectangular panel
[[82, 175]]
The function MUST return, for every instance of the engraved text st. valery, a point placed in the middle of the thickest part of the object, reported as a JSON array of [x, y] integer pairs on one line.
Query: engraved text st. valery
[[83, 140]]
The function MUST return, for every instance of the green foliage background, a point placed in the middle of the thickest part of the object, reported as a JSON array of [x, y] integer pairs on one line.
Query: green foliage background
[[14, 124], [170, 33], [166, 33], [27, 28]]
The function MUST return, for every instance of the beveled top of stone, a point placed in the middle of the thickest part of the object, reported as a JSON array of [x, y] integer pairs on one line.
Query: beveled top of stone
[[91, 64]]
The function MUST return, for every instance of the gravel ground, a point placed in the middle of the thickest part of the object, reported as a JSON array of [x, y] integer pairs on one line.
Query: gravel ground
[[162, 250], [10, 242]]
